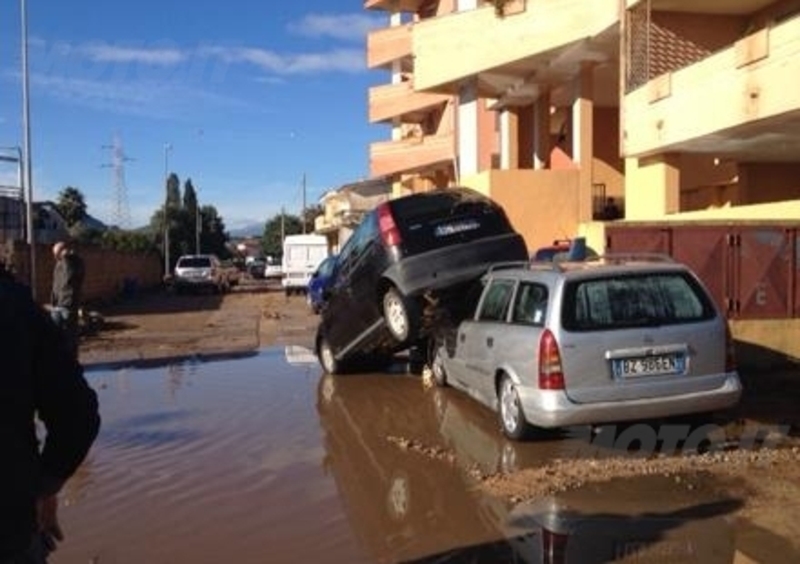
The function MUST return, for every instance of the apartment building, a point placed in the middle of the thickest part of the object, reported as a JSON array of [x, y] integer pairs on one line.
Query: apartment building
[[677, 109]]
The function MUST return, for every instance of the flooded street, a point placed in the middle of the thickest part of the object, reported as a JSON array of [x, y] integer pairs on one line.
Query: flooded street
[[254, 459]]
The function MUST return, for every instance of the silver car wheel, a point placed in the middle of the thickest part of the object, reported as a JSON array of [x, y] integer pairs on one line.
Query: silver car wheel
[[510, 413], [394, 311], [437, 367]]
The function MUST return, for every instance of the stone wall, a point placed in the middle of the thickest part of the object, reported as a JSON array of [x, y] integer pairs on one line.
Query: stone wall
[[108, 273]]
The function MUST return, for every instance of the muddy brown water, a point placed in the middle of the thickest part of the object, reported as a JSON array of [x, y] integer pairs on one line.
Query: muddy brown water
[[260, 459]]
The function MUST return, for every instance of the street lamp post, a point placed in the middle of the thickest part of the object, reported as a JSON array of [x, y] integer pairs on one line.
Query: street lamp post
[[167, 149], [26, 130]]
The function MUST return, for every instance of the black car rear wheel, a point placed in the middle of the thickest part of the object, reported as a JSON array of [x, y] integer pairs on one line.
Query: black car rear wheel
[[326, 357], [400, 315]]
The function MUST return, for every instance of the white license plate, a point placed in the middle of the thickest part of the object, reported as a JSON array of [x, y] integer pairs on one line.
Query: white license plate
[[656, 365]]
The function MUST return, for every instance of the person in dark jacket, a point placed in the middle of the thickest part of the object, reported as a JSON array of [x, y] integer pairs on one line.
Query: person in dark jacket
[[68, 274], [40, 379]]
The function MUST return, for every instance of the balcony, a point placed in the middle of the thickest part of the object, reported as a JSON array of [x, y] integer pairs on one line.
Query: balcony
[[401, 101], [387, 45], [394, 5], [735, 103], [547, 32], [389, 158]]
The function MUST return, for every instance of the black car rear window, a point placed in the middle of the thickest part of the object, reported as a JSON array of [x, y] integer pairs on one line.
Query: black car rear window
[[626, 301], [435, 220], [194, 262]]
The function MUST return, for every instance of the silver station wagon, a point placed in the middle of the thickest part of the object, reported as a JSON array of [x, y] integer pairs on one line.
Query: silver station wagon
[[607, 340]]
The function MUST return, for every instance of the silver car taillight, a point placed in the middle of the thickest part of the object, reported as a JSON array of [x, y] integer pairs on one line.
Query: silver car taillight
[[551, 372]]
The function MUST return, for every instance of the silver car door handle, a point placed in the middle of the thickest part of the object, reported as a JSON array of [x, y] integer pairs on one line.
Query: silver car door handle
[[461, 337], [490, 342]]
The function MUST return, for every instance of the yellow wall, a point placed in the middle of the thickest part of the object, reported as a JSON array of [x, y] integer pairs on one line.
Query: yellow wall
[[652, 187]]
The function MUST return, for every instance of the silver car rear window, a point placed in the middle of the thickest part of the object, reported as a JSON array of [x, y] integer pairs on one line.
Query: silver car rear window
[[197, 262], [634, 301]]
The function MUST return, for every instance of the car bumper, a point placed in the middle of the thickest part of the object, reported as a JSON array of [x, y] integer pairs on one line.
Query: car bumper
[[551, 409], [194, 282], [454, 264]]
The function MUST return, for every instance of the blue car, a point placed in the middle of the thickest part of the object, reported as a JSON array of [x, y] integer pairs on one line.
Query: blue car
[[319, 282]]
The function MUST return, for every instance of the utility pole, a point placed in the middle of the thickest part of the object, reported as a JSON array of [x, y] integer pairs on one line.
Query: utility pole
[[283, 225], [26, 131], [198, 227], [167, 149], [303, 212]]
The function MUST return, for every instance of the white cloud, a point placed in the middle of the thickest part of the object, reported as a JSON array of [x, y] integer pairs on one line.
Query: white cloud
[[146, 98], [338, 60], [105, 53], [345, 27]]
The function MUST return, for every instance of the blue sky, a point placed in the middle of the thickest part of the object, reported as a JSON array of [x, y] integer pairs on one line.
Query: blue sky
[[250, 96]]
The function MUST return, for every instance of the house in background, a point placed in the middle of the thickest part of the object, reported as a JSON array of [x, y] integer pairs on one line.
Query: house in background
[[345, 207], [48, 225]]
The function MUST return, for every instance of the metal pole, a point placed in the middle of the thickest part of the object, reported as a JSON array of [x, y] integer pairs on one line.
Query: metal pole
[[303, 213], [167, 149], [197, 227], [26, 131]]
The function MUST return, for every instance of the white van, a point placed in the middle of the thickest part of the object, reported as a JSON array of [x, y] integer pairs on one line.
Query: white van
[[301, 256]]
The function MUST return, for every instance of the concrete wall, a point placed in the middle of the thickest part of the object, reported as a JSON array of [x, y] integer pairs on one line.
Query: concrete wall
[[106, 271]]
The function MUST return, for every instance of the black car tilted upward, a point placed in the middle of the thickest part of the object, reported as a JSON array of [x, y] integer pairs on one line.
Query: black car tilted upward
[[407, 257]]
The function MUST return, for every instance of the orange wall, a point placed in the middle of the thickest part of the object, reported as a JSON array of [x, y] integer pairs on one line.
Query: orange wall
[[542, 205], [768, 182]]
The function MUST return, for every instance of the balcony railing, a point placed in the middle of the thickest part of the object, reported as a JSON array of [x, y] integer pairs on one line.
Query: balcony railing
[[387, 45], [401, 101], [741, 86], [409, 155]]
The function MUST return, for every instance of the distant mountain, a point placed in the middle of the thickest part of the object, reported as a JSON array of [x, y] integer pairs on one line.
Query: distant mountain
[[251, 230]]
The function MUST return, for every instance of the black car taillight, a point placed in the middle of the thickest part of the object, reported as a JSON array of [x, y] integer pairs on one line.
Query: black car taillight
[[390, 234]]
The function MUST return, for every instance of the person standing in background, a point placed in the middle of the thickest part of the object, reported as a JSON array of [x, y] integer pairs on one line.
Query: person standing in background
[[40, 379], [67, 293]]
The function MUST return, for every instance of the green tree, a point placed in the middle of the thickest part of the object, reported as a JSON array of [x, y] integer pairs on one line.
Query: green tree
[[189, 197], [71, 205], [173, 192], [274, 230], [213, 237]]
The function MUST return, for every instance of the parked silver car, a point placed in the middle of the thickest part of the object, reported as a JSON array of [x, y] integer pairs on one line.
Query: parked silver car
[[200, 272], [615, 339]]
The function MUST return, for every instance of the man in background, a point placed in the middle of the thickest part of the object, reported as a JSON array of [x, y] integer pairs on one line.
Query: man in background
[[41, 378], [68, 275]]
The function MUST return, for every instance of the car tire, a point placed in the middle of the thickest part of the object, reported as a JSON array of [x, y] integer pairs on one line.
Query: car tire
[[437, 365], [399, 315], [512, 419], [326, 357]]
